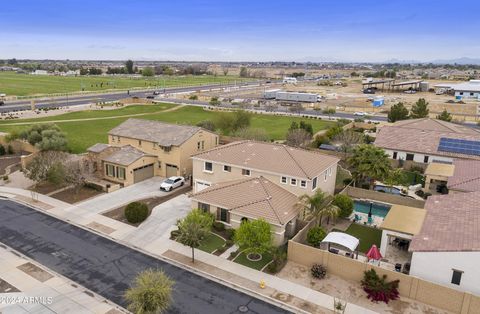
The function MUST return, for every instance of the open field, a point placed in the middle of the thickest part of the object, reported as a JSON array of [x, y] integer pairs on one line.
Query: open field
[[83, 133], [12, 83]]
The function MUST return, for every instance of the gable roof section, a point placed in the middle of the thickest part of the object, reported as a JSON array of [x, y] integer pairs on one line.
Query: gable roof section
[[98, 148], [423, 136], [466, 176], [253, 198], [165, 134], [126, 155], [452, 224], [269, 157]]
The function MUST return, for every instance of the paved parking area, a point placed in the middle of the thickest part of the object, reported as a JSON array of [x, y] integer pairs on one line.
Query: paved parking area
[[107, 267]]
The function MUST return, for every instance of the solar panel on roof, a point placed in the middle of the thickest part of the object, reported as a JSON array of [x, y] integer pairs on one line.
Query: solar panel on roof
[[459, 146]]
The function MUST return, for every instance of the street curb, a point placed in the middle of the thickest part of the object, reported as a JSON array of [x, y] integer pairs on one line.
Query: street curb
[[201, 273]]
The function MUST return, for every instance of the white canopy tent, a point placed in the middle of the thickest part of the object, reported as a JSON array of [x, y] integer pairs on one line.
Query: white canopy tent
[[342, 239]]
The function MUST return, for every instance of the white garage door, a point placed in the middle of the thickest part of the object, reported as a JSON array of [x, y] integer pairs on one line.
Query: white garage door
[[199, 185]]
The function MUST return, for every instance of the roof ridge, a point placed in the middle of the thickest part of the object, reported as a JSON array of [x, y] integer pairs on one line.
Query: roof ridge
[[269, 199], [220, 147], [227, 184], [295, 161], [466, 181]]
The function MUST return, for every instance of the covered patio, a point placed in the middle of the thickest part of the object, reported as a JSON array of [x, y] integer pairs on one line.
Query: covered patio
[[436, 177], [398, 229]]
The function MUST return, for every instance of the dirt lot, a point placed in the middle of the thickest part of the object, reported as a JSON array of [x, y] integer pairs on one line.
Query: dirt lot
[[351, 291], [73, 195], [118, 213]]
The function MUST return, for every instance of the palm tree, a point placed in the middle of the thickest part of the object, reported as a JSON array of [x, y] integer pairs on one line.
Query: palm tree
[[331, 211], [369, 162], [151, 292], [312, 205]]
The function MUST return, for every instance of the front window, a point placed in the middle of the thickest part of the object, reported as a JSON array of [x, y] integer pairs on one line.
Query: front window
[[457, 276], [314, 184], [284, 180], [110, 170], [303, 184], [246, 172], [409, 157], [227, 168], [204, 207], [293, 181], [223, 215], [121, 173], [208, 167]]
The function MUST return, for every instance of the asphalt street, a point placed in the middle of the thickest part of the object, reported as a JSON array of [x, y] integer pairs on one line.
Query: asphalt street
[[107, 267]]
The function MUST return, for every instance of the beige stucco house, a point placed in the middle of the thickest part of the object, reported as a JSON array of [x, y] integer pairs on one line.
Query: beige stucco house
[[139, 149], [296, 170], [251, 198]]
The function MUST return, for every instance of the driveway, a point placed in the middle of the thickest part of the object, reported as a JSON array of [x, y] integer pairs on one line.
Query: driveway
[[160, 222], [107, 267], [106, 202]]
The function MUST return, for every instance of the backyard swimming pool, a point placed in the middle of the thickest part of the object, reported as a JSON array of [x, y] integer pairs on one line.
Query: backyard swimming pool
[[363, 207]]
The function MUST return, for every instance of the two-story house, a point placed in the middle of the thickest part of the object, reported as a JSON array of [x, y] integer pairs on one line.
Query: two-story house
[[139, 149], [257, 180]]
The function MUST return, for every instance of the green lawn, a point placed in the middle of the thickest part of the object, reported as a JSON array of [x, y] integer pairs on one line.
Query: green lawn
[[83, 134], [12, 83], [211, 243], [367, 236], [242, 259]]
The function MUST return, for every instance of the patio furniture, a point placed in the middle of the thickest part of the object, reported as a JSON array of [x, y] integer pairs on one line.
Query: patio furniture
[[370, 220], [398, 267], [357, 218], [406, 268], [334, 251]]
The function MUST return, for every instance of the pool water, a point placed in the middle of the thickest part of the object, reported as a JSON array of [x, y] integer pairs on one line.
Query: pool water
[[380, 210]]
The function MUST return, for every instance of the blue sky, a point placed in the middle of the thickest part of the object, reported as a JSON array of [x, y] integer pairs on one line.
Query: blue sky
[[321, 30]]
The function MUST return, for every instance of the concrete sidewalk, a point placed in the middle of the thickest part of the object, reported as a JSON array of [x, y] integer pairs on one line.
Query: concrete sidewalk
[[159, 244], [52, 293]]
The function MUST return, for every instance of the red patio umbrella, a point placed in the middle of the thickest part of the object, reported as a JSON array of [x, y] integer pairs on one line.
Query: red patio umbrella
[[374, 253]]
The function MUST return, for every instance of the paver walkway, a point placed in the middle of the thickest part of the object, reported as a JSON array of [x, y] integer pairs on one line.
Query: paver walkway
[[158, 245]]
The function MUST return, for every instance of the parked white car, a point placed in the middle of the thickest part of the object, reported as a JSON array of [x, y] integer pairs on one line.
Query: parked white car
[[360, 113], [172, 183]]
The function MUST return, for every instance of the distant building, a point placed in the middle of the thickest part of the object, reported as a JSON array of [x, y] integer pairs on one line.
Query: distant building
[[428, 140], [40, 72], [469, 90], [289, 80]]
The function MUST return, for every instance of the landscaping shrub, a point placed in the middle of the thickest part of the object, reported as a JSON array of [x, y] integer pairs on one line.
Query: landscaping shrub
[[10, 150], [315, 236], [174, 234], [378, 289], [2, 150], [318, 271], [345, 203], [233, 254], [5, 178], [347, 181], [136, 212], [229, 234], [218, 226], [229, 243], [279, 259]]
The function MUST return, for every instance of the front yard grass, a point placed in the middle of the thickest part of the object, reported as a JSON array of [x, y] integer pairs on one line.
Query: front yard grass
[[212, 243], [259, 265], [367, 236]]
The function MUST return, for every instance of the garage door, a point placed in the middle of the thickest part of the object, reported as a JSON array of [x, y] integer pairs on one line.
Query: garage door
[[171, 170], [199, 185], [142, 173]]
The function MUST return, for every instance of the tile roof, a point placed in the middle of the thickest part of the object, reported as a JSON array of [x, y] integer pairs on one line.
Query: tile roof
[[253, 198], [423, 136], [269, 157], [452, 223], [165, 134], [126, 155], [466, 176], [98, 148]]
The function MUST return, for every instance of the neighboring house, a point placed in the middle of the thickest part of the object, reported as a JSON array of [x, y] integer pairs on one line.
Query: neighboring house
[[470, 89], [298, 171], [251, 198], [447, 248], [428, 140], [139, 149]]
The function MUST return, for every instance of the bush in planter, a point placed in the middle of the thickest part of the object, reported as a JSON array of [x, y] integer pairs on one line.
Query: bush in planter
[[345, 203], [315, 236], [174, 234], [318, 271], [2, 150], [378, 289], [218, 226], [136, 212], [10, 150], [229, 234], [279, 259]]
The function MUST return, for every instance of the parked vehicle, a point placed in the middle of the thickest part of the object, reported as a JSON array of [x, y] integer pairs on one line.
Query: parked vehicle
[[360, 113], [172, 183], [156, 92], [150, 97], [369, 91], [410, 91]]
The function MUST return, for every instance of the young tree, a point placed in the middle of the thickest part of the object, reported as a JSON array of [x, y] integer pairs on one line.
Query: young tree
[[445, 116], [129, 67], [397, 112], [243, 72], [241, 119], [347, 139], [194, 228], [419, 109], [254, 237], [331, 211], [298, 138], [39, 169], [148, 71], [151, 292], [345, 203], [315, 236], [369, 162], [312, 206], [225, 71]]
